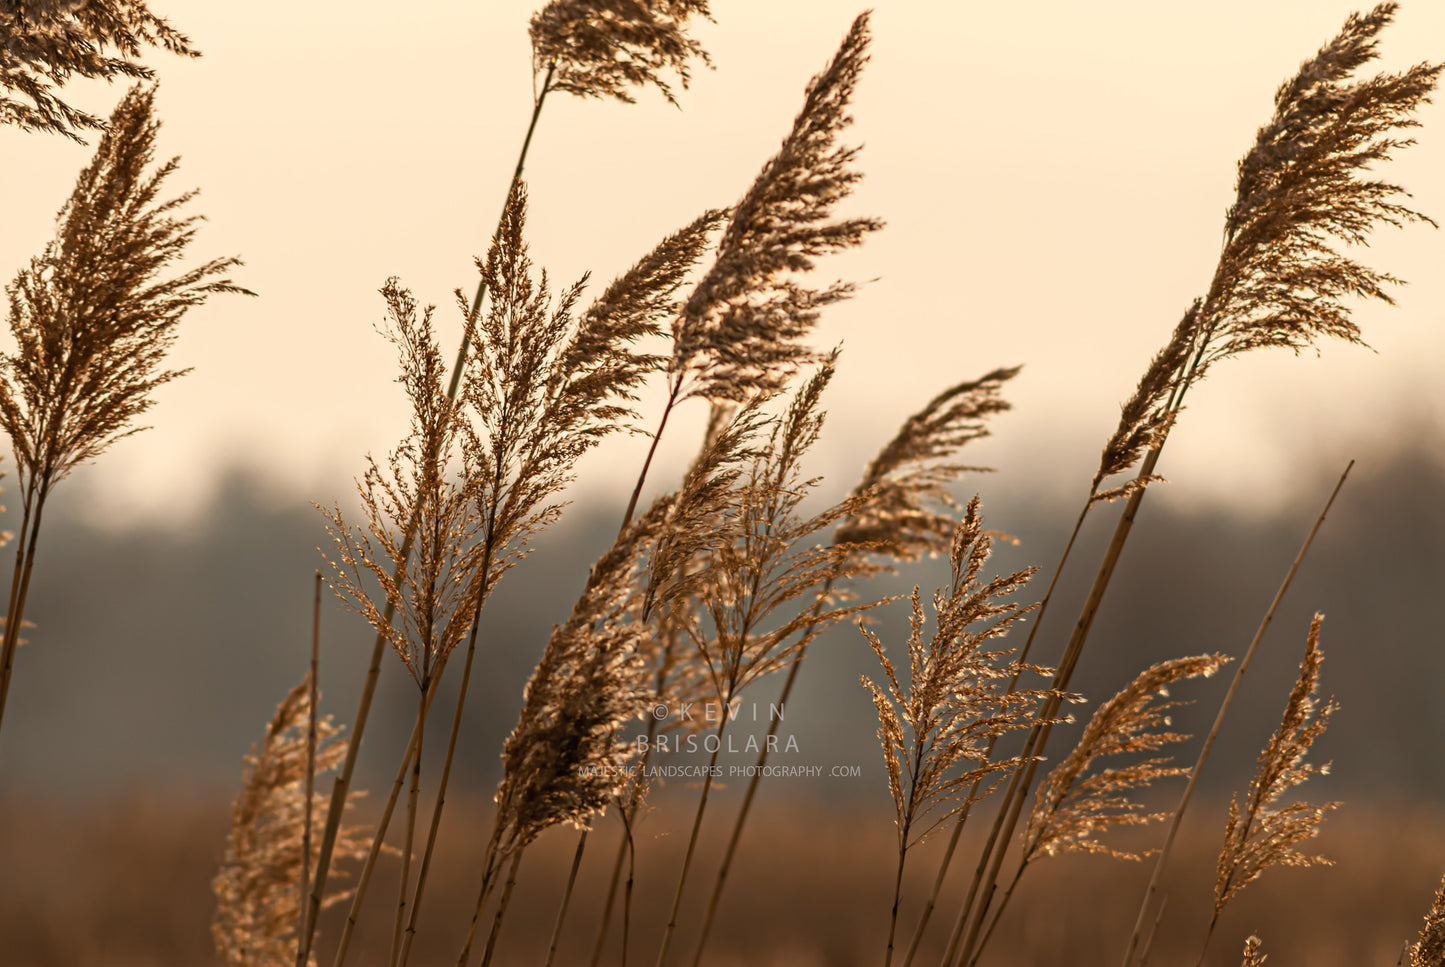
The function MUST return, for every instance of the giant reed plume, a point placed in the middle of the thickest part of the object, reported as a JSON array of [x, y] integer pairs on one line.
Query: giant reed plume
[[1284, 273], [904, 510], [565, 760], [93, 317], [1259, 834], [937, 734], [546, 383], [742, 331], [43, 43], [1079, 801], [590, 48], [768, 583], [256, 899], [1429, 950]]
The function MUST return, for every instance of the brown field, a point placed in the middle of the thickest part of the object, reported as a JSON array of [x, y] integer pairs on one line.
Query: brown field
[[714, 583], [125, 883]]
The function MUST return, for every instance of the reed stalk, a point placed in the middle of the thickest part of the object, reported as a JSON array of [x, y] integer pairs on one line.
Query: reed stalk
[[1177, 817]]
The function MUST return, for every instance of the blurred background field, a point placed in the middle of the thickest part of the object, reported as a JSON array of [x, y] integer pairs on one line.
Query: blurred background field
[[158, 656], [165, 652], [125, 883], [171, 603]]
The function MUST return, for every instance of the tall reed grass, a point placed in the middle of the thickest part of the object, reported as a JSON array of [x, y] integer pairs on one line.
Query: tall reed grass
[[727, 578]]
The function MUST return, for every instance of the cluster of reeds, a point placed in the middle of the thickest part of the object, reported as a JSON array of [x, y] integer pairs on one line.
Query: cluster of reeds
[[725, 580]]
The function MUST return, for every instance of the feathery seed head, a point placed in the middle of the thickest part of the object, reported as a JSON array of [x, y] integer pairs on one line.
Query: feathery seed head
[[256, 897], [92, 317], [1254, 955], [601, 48], [742, 330], [912, 471], [1071, 808], [1429, 950], [44, 42], [564, 761], [766, 584], [1257, 836], [544, 384], [420, 541], [1303, 199], [1300, 193], [935, 735]]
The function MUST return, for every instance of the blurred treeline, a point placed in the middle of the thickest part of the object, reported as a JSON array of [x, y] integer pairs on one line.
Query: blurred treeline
[[159, 654]]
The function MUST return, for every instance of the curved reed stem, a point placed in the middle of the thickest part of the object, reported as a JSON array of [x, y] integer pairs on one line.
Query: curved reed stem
[[1178, 816]]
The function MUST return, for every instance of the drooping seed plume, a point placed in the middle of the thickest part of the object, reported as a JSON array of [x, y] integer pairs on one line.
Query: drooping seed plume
[[768, 585], [419, 544], [1429, 950], [544, 385], [907, 509], [1077, 802], [93, 316], [602, 48], [742, 331], [1304, 203], [43, 43], [566, 758]]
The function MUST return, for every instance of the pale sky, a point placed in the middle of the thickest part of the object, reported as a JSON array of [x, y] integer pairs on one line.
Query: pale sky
[[1054, 176]]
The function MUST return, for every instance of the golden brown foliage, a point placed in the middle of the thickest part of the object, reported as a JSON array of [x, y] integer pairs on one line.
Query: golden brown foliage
[[1071, 808], [256, 889], [913, 471], [91, 315], [1256, 836], [1254, 955], [1429, 950], [566, 760], [936, 736], [742, 330], [43, 43], [419, 542], [600, 48]]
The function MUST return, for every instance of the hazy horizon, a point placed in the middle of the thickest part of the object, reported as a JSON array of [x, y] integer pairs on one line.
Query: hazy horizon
[[1054, 182]]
